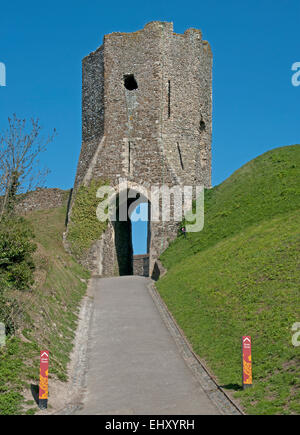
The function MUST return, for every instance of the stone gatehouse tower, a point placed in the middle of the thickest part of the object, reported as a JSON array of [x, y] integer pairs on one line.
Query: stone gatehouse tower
[[146, 118]]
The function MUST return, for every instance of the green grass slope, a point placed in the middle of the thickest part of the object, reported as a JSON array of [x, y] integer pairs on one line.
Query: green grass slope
[[241, 276], [261, 189], [46, 316]]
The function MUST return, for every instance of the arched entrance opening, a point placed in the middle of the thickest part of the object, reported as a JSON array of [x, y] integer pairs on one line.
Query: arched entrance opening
[[132, 232]]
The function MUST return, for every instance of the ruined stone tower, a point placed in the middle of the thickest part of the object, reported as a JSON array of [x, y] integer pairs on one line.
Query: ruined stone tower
[[146, 118]]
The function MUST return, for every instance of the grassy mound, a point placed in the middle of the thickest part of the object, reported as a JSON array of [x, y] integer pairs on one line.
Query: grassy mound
[[46, 315], [261, 189], [241, 276]]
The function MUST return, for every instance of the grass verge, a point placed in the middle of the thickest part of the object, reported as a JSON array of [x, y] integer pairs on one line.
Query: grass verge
[[241, 276], [47, 317]]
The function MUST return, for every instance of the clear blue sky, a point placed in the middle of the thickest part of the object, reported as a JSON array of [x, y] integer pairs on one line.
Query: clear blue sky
[[254, 43]]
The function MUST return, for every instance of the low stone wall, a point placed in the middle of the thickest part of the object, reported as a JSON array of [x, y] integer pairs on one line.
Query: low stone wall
[[41, 199], [140, 265]]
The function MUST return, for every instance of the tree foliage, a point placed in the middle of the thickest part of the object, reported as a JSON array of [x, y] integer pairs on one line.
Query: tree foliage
[[16, 267], [16, 249]]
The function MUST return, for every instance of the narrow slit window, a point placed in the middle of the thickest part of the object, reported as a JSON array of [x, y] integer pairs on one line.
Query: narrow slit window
[[202, 124], [129, 157], [169, 98], [180, 156]]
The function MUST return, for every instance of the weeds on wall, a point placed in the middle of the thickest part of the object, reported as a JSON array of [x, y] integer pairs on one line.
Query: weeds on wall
[[84, 227]]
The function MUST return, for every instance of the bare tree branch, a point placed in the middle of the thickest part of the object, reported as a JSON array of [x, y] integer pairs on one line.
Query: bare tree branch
[[20, 147]]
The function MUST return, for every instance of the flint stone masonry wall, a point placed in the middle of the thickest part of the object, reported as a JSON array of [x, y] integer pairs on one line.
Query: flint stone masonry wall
[[157, 134], [41, 199], [140, 265]]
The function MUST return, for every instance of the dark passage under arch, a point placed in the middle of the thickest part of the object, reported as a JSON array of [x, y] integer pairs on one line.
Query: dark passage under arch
[[127, 262]]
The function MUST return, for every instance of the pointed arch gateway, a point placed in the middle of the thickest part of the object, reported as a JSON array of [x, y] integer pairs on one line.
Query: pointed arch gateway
[[128, 262]]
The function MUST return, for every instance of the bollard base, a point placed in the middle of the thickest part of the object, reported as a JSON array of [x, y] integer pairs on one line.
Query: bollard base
[[43, 403], [245, 386]]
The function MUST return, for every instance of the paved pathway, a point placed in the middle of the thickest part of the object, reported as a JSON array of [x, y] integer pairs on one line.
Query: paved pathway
[[134, 365]]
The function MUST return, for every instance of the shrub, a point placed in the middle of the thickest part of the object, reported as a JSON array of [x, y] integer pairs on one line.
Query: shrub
[[16, 249], [16, 267], [84, 226]]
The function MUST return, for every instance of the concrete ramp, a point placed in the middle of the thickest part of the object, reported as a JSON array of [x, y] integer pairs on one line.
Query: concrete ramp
[[134, 364]]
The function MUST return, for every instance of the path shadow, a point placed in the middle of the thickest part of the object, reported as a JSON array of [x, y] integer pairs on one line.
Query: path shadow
[[35, 392], [235, 387]]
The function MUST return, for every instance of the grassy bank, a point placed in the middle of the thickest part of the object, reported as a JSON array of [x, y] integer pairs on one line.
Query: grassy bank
[[46, 315], [241, 276]]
